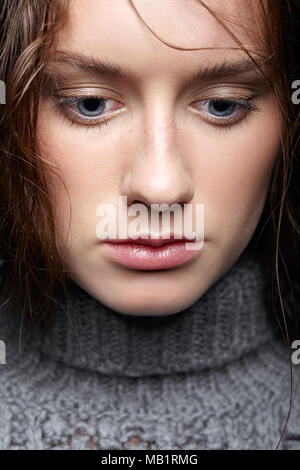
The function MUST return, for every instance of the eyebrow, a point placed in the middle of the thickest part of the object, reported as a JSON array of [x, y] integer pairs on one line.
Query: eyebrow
[[108, 69], [226, 69]]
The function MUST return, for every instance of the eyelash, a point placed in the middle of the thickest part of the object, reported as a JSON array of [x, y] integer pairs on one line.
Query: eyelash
[[227, 123], [63, 102]]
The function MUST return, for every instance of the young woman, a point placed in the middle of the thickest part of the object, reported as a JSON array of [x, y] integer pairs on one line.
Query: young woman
[[146, 344]]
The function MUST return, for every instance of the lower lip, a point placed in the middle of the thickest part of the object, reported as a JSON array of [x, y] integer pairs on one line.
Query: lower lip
[[149, 257]]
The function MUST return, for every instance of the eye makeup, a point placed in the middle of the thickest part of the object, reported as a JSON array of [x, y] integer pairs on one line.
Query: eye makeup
[[217, 104]]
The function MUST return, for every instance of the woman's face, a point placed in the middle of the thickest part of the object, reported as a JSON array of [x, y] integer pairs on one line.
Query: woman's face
[[156, 133]]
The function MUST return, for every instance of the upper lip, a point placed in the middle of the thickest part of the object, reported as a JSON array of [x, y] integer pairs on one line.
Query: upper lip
[[151, 241]]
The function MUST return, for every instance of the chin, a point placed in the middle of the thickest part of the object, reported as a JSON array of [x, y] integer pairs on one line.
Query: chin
[[145, 310], [146, 304]]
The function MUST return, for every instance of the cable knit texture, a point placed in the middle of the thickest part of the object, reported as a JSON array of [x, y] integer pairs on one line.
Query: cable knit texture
[[214, 376]]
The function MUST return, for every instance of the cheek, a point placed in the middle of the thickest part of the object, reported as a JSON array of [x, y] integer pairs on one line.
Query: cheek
[[89, 169], [234, 180]]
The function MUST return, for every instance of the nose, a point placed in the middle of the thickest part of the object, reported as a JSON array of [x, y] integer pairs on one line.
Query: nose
[[158, 170]]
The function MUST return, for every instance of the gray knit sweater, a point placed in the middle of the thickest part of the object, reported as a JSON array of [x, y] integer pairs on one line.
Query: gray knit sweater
[[214, 376]]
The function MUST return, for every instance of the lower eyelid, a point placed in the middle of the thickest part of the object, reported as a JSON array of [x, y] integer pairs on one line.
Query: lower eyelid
[[70, 109]]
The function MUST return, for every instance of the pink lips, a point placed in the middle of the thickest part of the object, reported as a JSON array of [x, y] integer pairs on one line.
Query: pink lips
[[150, 254]]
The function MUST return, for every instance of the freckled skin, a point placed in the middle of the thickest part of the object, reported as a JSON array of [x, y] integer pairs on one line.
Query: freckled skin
[[157, 149]]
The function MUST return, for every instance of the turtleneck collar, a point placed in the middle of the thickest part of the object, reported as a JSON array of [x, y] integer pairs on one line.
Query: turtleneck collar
[[229, 320]]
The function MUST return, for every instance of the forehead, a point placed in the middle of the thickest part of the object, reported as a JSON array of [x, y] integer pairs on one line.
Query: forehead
[[113, 30]]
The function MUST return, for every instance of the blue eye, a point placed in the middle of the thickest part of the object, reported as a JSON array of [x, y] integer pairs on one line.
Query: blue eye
[[88, 110], [91, 106], [221, 108], [224, 112]]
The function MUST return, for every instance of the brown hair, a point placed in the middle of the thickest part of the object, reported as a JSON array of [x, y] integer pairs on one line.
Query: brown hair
[[27, 235], [32, 268]]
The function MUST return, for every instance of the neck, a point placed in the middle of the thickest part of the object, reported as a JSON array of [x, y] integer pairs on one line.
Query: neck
[[227, 322]]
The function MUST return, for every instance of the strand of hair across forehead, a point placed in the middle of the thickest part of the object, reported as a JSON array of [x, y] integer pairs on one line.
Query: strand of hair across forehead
[[174, 46]]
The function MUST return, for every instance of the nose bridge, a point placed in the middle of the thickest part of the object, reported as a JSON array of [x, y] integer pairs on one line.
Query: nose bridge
[[159, 172]]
